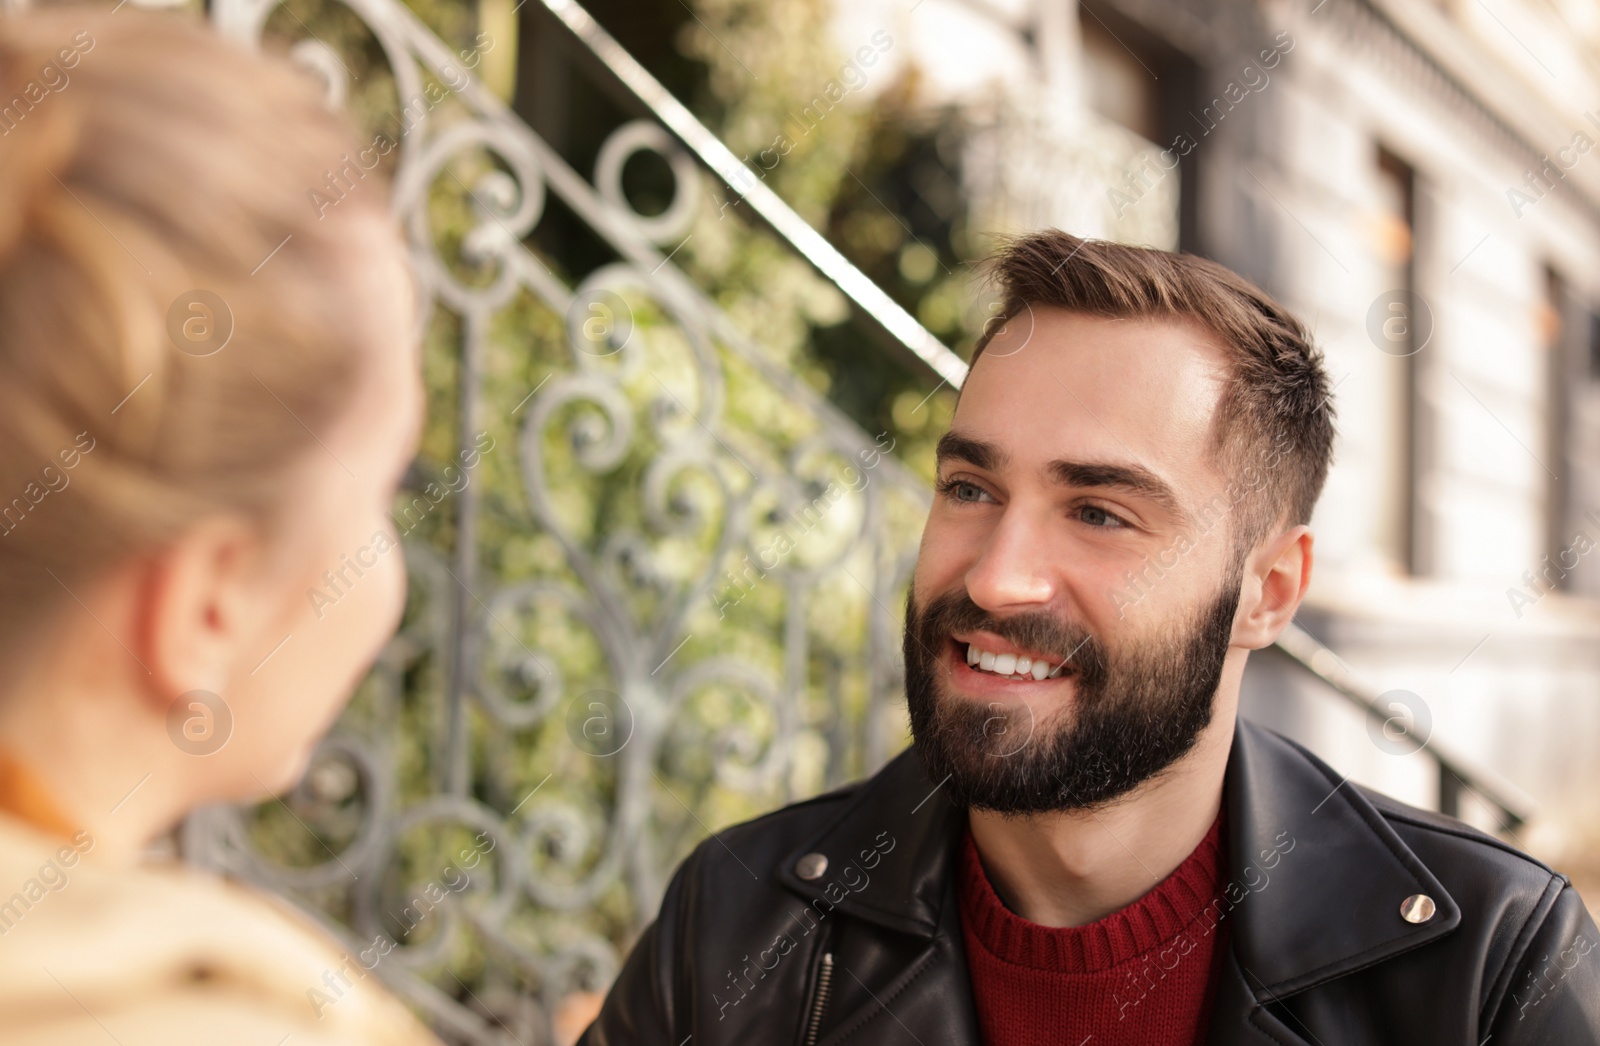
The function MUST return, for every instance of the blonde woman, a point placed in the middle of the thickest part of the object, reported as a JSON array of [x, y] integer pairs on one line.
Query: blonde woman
[[208, 394]]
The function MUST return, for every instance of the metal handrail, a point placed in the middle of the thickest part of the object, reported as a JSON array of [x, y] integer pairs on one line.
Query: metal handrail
[[784, 220], [1456, 771]]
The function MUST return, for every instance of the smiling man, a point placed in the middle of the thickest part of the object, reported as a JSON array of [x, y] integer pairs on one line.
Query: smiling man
[[1085, 844]]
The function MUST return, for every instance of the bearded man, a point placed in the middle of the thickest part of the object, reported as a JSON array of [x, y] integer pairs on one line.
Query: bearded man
[[1085, 844]]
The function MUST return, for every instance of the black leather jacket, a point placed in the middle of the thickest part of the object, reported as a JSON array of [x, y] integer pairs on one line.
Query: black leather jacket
[[1318, 953]]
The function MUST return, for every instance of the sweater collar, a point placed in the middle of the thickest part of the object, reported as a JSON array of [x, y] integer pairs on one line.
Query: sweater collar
[[1168, 909]]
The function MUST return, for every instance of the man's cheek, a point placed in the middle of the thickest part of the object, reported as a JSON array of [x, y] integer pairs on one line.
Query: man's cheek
[[943, 557], [930, 580]]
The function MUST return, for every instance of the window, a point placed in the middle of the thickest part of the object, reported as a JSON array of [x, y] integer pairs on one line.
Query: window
[[1407, 533], [1555, 339]]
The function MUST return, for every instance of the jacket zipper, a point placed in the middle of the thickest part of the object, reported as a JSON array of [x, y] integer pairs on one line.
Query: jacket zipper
[[820, 1002]]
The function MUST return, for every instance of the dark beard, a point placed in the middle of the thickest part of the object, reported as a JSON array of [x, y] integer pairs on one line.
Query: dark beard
[[1131, 716]]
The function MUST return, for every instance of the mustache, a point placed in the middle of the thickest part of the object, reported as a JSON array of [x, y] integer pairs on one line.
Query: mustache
[[1035, 630]]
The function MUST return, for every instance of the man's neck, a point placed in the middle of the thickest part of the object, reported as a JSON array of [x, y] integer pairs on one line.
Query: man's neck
[[1070, 868]]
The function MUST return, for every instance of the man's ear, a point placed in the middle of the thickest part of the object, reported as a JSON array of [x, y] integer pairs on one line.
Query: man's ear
[[1274, 583], [198, 607]]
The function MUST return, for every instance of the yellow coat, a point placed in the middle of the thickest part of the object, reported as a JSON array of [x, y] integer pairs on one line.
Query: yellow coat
[[164, 955]]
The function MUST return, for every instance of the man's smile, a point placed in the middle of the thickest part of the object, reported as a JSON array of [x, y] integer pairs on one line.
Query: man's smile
[[982, 664]]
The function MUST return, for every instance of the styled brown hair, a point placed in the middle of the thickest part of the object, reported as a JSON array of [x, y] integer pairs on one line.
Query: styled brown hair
[[172, 329], [1273, 427]]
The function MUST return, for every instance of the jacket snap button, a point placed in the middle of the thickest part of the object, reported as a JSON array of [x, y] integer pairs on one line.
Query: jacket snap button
[[1418, 908], [811, 866]]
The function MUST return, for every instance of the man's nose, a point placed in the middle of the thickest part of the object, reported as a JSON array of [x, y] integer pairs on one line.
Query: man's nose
[[1013, 569]]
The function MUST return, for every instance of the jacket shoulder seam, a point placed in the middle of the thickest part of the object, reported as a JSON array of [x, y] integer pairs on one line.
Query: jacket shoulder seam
[[1495, 999], [680, 979]]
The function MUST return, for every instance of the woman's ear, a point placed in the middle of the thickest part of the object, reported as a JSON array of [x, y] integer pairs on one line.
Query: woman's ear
[[200, 606], [1275, 580]]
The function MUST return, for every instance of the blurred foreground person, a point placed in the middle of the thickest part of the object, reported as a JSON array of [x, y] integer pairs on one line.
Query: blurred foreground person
[[208, 394], [1085, 845]]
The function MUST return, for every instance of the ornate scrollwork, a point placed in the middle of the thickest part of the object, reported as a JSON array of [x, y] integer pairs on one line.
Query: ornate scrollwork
[[650, 609]]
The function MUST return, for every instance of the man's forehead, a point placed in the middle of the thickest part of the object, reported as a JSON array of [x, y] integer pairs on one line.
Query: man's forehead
[[1090, 392]]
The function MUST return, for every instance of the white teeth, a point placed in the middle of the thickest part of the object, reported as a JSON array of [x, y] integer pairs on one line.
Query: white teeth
[[1011, 665]]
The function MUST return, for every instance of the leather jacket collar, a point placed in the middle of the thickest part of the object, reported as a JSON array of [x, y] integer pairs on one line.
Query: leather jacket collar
[[1311, 862]]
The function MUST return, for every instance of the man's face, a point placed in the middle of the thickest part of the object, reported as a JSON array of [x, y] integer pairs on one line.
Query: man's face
[[1076, 460]]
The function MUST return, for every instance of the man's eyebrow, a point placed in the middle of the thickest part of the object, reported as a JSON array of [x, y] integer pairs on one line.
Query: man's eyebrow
[[978, 452], [1135, 479]]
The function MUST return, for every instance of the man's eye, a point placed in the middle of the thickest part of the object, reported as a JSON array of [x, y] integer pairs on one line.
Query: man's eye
[[1096, 516], [961, 490]]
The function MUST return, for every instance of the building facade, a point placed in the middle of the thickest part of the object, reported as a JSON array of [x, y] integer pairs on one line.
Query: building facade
[[1419, 181]]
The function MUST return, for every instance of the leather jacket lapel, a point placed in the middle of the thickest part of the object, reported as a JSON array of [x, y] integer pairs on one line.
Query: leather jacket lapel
[[903, 819], [890, 863], [1316, 880], [1236, 1018]]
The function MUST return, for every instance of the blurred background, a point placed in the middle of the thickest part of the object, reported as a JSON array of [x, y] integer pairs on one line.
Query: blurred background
[[700, 277]]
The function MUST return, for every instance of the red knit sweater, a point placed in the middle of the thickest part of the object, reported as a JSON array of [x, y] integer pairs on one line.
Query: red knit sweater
[[1141, 976]]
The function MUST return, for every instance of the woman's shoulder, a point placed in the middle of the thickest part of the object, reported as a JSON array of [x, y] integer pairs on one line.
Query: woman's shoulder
[[172, 955]]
